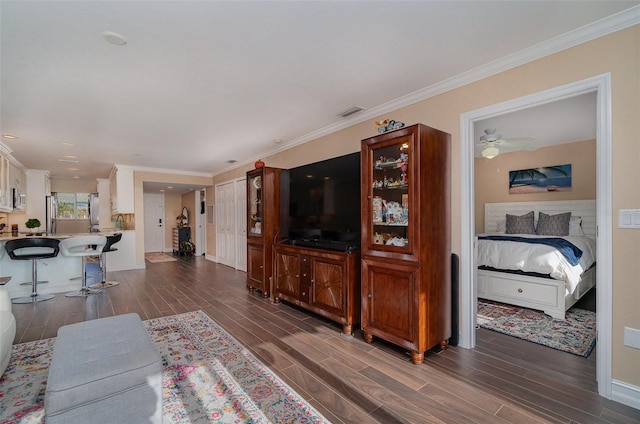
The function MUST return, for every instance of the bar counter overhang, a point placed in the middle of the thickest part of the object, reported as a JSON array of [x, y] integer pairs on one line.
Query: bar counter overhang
[[62, 272]]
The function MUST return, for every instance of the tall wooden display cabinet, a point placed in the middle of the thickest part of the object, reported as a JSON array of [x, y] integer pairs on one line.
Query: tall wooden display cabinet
[[406, 247], [266, 219]]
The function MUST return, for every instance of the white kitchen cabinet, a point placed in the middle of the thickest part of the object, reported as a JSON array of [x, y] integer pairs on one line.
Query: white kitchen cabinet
[[17, 181], [121, 187], [6, 204], [38, 185]]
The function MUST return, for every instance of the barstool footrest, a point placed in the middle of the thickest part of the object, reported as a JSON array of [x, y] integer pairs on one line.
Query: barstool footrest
[[30, 283], [83, 293], [33, 299], [104, 285]]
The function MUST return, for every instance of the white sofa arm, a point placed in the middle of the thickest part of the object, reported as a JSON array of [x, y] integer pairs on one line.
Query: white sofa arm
[[5, 299]]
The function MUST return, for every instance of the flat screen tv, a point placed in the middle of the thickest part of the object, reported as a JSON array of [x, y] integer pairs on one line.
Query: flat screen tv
[[324, 204]]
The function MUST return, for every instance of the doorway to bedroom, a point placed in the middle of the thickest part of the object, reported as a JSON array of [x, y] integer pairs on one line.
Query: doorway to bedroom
[[487, 180]]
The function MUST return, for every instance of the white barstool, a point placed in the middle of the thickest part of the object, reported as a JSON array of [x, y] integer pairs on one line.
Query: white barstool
[[3, 280], [111, 240], [32, 249], [83, 247]]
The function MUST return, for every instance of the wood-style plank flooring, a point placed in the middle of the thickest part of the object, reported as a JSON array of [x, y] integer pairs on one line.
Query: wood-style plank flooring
[[503, 380]]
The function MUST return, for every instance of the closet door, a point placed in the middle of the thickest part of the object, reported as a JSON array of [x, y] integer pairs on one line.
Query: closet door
[[225, 214], [231, 224], [241, 224]]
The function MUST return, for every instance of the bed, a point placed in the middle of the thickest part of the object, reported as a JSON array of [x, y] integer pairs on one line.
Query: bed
[[513, 272]]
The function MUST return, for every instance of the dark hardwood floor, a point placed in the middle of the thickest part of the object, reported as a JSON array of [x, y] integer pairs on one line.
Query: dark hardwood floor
[[503, 380]]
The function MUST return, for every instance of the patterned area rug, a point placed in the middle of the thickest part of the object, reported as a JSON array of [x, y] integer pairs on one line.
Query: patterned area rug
[[208, 377], [159, 257], [576, 334]]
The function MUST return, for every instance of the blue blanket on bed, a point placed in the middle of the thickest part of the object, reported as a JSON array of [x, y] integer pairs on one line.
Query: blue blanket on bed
[[568, 249]]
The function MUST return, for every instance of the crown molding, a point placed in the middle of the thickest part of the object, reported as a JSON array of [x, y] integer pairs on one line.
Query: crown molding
[[581, 35], [170, 171]]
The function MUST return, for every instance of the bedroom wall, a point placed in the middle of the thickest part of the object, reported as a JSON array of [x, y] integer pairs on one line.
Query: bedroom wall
[[492, 175], [617, 54]]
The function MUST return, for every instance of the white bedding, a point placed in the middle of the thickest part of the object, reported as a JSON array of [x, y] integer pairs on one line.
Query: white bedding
[[528, 257]]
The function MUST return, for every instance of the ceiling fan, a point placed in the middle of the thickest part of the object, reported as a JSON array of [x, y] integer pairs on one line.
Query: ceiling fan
[[491, 139]]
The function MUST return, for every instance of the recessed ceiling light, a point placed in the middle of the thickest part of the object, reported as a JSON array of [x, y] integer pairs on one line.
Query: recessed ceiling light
[[69, 156], [9, 136], [66, 144], [68, 160], [277, 140], [161, 191], [72, 169], [76, 177], [169, 187], [114, 38]]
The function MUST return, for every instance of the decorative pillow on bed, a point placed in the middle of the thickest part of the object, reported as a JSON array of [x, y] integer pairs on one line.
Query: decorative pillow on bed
[[501, 226], [553, 225], [575, 226], [522, 224]]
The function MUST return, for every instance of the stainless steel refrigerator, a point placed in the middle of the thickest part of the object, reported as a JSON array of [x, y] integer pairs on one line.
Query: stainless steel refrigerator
[[51, 206], [94, 213]]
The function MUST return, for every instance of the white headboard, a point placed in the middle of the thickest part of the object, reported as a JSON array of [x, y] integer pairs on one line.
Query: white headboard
[[493, 212]]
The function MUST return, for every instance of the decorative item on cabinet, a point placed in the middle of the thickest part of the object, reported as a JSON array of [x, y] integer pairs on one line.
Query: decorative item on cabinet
[[183, 218], [406, 248], [267, 203], [259, 164], [386, 125]]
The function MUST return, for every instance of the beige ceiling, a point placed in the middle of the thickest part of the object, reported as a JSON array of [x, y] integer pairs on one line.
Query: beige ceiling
[[200, 83]]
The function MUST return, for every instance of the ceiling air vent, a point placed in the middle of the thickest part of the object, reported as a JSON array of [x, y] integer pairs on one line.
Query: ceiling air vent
[[352, 110]]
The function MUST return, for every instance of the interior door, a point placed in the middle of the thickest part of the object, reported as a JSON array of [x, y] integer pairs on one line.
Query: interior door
[[241, 224], [225, 222], [154, 222]]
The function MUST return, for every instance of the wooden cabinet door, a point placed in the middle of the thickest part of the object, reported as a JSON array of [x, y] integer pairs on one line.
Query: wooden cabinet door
[[255, 268], [327, 289], [287, 274], [389, 302]]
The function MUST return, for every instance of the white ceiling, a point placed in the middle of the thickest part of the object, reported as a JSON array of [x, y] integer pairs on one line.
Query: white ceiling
[[200, 83], [563, 121]]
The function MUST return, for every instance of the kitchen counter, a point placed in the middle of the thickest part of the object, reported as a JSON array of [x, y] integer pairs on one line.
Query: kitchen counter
[[60, 271]]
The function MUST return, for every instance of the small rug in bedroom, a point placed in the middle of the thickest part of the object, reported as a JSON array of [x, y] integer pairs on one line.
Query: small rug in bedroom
[[159, 257], [208, 377], [576, 334]]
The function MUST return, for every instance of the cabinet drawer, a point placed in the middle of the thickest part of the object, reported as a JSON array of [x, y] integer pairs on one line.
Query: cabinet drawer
[[512, 288]]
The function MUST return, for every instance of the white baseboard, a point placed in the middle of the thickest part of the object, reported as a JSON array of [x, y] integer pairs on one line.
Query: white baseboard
[[211, 258], [625, 393]]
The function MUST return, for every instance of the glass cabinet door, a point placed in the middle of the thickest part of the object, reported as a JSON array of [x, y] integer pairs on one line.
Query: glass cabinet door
[[255, 208], [391, 200]]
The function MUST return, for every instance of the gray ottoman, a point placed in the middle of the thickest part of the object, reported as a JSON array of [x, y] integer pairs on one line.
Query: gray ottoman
[[106, 370]]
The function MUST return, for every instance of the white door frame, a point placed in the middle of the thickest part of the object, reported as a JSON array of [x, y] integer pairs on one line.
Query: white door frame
[[601, 84], [200, 222]]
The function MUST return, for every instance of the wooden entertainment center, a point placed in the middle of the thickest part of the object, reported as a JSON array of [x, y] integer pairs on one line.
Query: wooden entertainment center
[[323, 281], [397, 284]]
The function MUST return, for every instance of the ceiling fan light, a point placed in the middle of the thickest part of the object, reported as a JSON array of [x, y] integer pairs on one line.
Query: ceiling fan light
[[490, 152]]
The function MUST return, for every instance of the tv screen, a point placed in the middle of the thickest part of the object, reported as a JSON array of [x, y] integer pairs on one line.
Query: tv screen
[[324, 203]]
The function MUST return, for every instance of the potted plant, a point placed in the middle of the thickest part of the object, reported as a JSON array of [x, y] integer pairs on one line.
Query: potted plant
[[33, 224]]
